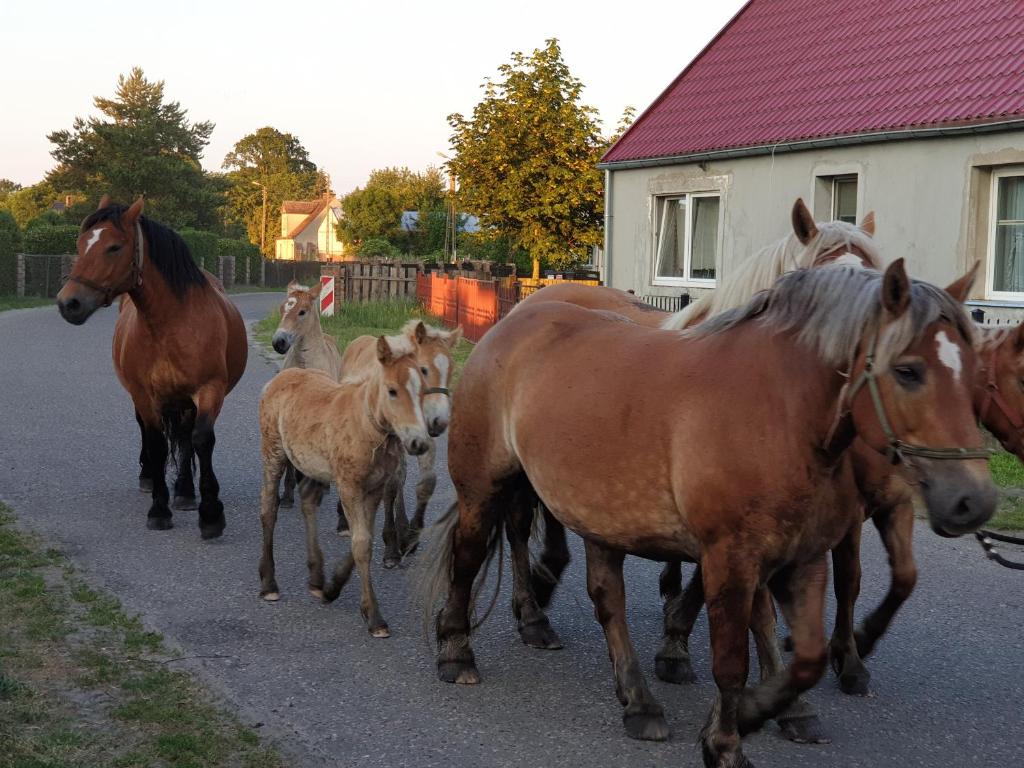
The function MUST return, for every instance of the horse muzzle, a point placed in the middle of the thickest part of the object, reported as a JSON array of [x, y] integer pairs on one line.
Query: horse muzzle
[[958, 501], [416, 446], [77, 309], [282, 341]]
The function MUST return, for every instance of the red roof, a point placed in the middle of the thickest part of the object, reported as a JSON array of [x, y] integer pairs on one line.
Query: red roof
[[794, 70]]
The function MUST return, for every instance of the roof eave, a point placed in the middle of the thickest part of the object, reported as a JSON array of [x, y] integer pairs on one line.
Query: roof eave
[[806, 144]]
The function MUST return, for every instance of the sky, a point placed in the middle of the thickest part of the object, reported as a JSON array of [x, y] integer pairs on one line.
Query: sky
[[363, 85]]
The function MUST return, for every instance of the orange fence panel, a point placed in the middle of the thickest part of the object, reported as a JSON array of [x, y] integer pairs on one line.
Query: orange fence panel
[[478, 306]]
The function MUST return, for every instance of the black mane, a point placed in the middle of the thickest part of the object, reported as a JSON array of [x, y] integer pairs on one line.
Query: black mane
[[168, 252]]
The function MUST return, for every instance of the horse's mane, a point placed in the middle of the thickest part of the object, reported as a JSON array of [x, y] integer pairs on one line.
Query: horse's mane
[[401, 346], [832, 308], [762, 269], [990, 337], [168, 252], [433, 332]]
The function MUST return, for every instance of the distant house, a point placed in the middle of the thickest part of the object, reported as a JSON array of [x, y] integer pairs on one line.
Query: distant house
[[467, 222], [308, 230], [911, 108]]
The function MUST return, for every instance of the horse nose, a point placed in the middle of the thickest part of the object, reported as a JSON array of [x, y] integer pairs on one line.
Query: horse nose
[[971, 511], [437, 426], [417, 446], [281, 342], [73, 310]]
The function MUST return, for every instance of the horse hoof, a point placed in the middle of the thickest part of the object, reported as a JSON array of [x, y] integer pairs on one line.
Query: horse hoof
[[392, 562], [286, 502], [540, 635], [145, 485], [317, 593], [675, 671], [211, 530], [804, 730], [646, 726], [381, 631], [159, 523], [271, 597], [344, 533], [458, 672], [185, 503], [855, 683]]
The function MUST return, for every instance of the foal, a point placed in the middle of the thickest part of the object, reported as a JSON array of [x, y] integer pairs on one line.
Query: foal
[[434, 356], [351, 433], [304, 344]]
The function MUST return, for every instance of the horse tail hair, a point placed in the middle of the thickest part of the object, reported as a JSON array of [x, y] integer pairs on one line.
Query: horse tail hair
[[178, 424], [436, 566]]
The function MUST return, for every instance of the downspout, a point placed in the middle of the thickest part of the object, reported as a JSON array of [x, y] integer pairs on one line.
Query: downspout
[[606, 262]]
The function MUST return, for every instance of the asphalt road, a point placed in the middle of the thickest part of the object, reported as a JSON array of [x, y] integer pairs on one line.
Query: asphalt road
[[948, 687]]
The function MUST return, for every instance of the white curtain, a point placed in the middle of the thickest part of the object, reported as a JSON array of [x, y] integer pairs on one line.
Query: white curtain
[[704, 232], [672, 237], [1009, 245]]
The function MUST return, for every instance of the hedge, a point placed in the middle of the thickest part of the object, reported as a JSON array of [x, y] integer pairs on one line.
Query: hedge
[[10, 243], [203, 246], [51, 239], [240, 250]]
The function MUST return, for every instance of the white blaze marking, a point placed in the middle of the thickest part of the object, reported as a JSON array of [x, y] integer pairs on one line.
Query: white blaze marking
[[290, 305], [441, 363], [93, 238], [413, 385], [949, 354]]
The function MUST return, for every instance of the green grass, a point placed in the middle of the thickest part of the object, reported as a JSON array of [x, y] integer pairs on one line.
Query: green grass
[[23, 302], [82, 683], [1008, 473], [374, 318]]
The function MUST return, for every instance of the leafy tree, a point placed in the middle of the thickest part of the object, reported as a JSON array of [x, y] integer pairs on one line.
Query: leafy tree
[[378, 248], [29, 203], [7, 187], [526, 159], [374, 212], [376, 209], [141, 145], [277, 161], [10, 243], [415, 190]]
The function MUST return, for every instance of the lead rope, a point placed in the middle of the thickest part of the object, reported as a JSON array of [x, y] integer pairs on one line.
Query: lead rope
[[986, 539]]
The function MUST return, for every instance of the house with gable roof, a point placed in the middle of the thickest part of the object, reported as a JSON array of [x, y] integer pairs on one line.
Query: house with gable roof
[[911, 108], [309, 231]]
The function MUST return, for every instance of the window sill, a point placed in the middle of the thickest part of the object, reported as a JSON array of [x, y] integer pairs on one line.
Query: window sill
[[998, 300], [667, 282]]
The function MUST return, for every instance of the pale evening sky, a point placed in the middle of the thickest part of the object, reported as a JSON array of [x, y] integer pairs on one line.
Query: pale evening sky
[[362, 84]]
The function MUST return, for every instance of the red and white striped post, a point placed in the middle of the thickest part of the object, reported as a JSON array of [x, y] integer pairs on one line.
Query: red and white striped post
[[327, 295]]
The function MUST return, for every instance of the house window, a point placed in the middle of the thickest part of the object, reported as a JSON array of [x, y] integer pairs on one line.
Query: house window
[[686, 238], [1007, 233], [844, 199]]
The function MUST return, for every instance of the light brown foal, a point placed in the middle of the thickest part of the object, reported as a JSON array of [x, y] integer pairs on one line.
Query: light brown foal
[[304, 344], [351, 434], [434, 357]]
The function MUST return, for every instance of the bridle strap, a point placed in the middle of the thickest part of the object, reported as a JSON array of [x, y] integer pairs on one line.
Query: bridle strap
[[437, 391], [897, 450], [985, 538], [994, 396], [110, 292]]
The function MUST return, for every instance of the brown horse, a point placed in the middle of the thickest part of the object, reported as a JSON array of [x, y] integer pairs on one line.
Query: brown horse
[[351, 434], [724, 446], [179, 348], [433, 354]]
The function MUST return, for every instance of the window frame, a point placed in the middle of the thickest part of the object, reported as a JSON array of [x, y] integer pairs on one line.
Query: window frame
[[834, 204], [992, 224], [686, 281]]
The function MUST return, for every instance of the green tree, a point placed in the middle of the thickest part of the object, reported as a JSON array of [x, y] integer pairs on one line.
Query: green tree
[[7, 187], [30, 203], [526, 159], [278, 162], [141, 145], [376, 210]]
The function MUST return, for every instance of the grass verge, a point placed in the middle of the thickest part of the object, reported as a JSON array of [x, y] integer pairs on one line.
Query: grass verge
[[83, 684], [23, 302], [374, 318], [1008, 473]]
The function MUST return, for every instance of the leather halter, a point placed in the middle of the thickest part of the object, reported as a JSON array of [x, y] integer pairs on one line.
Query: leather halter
[[896, 450], [994, 397], [110, 292], [437, 391]]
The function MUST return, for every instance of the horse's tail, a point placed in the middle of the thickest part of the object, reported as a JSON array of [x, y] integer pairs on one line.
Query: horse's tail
[[436, 567], [685, 317], [179, 421]]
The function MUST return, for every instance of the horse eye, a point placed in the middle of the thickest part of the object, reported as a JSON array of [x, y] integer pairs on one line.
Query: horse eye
[[908, 376], [392, 392], [302, 313], [423, 370], [1021, 383], [114, 249]]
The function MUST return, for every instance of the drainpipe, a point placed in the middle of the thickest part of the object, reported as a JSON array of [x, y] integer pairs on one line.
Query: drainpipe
[[606, 262]]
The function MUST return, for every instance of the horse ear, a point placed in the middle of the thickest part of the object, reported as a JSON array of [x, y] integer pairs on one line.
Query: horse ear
[[130, 216], [454, 336], [384, 353], [867, 224], [314, 292], [104, 203], [803, 223], [896, 289], [420, 332], [961, 289], [292, 286]]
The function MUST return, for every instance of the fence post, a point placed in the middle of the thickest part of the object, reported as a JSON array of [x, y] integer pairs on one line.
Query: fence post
[[19, 275], [227, 271]]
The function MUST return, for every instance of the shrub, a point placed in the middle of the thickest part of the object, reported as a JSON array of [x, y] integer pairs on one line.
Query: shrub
[[53, 239], [10, 243], [378, 248], [48, 218], [240, 251], [203, 246]]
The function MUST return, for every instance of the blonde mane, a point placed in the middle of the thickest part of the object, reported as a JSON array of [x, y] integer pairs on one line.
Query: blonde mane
[[401, 346], [433, 332], [766, 266]]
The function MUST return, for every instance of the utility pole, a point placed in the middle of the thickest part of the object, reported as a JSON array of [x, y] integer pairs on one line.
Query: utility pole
[[263, 234]]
